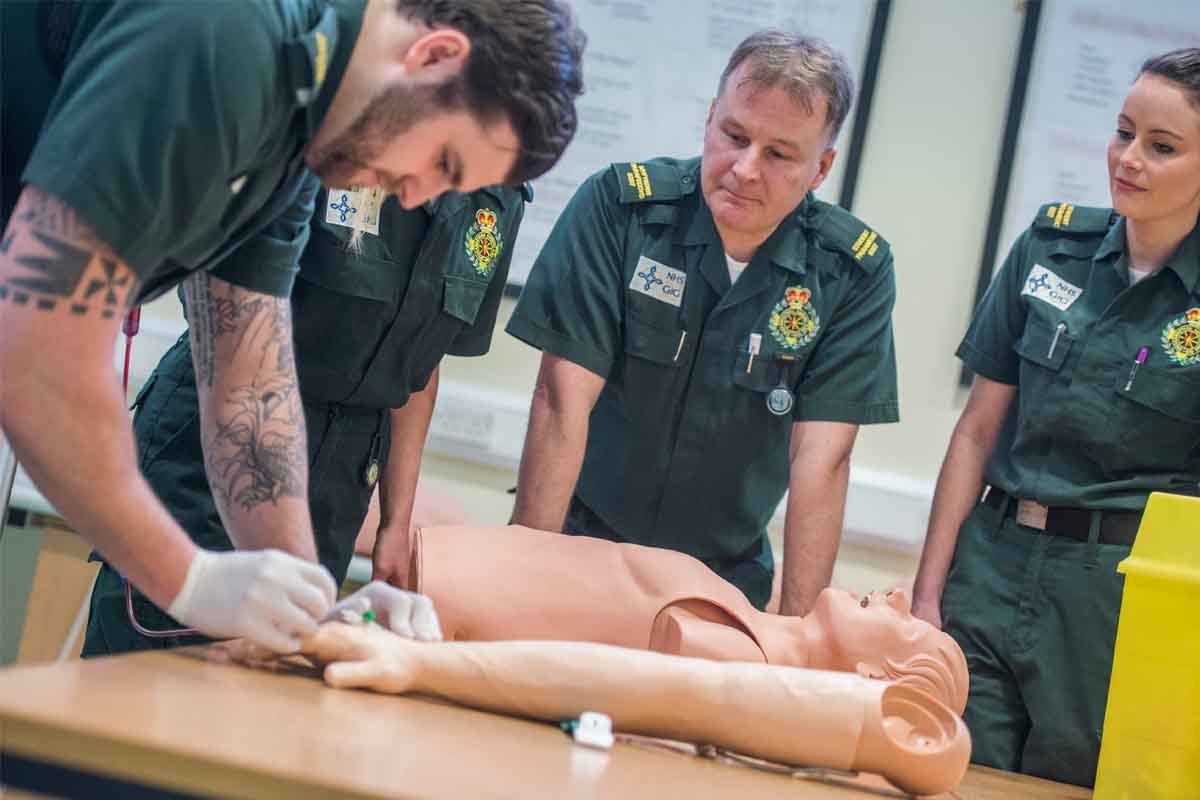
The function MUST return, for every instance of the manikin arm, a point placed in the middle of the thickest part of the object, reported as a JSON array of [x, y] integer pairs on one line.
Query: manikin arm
[[783, 714]]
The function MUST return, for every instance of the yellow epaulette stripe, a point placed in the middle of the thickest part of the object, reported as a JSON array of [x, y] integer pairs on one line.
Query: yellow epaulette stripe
[[639, 179], [865, 244]]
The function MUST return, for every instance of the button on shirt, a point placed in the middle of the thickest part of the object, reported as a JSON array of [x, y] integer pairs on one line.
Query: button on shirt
[[633, 285], [1062, 323]]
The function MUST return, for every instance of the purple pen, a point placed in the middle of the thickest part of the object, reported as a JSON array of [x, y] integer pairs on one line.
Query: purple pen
[[1137, 362]]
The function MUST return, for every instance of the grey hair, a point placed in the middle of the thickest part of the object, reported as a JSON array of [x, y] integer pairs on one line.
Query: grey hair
[[1181, 67], [803, 65]]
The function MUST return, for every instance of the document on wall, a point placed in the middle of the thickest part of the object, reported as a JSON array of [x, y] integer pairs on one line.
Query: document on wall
[[1087, 55], [650, 72]]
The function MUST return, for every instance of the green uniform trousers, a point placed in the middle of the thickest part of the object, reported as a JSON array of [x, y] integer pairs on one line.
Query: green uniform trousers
[[1036, 616], [342, 442], [752, 571]]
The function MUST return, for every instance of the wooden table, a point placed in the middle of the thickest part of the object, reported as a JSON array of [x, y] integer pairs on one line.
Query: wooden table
[[172, 722]]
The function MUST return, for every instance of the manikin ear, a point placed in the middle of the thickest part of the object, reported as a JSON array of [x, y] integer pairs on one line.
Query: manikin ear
[[437, 55], [824, 165]]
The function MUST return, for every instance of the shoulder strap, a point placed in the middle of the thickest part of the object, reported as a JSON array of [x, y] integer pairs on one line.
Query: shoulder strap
[[1073, 218]]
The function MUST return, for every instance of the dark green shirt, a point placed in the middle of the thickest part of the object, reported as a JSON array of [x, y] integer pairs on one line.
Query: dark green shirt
[[632, 284], [1062, 324], [371, 327], [177, 129]]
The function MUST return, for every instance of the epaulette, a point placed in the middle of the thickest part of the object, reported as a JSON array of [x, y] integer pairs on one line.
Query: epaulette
[[840, 230], [652, 181], [1073, 218]]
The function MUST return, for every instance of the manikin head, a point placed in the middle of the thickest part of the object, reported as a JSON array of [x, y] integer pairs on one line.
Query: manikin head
[[1154, 153], [878, 637], [444, 95], [769, 136]]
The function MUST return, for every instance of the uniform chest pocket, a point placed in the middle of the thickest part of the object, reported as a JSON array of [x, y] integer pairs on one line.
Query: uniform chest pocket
[[756, 374], [663, 346], [1045, 343], [463, 297], [1156, 420]]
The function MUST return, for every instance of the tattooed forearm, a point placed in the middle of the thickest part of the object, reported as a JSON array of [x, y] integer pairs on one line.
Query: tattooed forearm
[[50, 259], [256, 326], [258, 454]]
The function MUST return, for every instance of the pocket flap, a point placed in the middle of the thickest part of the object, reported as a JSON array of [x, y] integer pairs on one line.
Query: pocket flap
[[1172, 392], [463, 297], [1044, 343], [654, 344], [329, 265]]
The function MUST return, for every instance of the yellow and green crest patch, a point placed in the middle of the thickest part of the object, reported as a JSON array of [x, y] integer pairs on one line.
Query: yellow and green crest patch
[[484, 242], [794, 321], [1181, 339]]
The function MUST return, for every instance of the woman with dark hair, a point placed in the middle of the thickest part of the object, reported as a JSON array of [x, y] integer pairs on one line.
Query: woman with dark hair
[[1086, 351]]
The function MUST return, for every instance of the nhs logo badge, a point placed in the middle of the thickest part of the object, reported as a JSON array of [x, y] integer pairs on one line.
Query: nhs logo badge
[[658, 281], [1049, 288]]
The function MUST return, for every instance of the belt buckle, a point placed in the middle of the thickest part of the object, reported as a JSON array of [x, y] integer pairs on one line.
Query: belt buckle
[[1032, 514]]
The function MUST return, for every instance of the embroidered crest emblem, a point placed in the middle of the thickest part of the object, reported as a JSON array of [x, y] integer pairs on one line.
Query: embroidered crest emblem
[[484, 242], [1181, 339], [794, 322]]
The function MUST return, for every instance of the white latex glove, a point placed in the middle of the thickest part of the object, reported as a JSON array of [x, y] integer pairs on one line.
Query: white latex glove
[[272, 598], [408, 614]]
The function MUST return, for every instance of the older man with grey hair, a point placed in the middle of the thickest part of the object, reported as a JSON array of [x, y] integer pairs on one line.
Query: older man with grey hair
[[713, 336]]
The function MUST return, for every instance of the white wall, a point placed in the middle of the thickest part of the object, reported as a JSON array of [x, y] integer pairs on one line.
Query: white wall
[[926, 184]]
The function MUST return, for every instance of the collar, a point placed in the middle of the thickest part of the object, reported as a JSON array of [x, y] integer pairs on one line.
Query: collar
[[787, 245], [324, 51], [1185, 261]]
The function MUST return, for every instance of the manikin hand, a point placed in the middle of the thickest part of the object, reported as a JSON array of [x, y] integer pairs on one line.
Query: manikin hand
[[362, 657], [272, 598], [408, 614], [389, 557]]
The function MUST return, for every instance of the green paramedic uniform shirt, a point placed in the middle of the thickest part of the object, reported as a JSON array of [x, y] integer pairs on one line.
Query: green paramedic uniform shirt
[[177, 129], [371, 328], [633, 285], [1062, 323]]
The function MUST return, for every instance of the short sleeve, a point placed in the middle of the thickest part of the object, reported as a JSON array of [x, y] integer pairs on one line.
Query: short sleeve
[[269, 260], [999, 320], [157, 108], [572, 302], [851, 376], [476, 340]]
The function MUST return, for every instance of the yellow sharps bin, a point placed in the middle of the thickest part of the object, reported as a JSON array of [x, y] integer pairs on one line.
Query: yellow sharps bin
[[1151, 744]]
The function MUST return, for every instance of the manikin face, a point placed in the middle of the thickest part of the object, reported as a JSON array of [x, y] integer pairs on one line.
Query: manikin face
[[1154, 154], [878, 637], [763, 152], [417, 152]]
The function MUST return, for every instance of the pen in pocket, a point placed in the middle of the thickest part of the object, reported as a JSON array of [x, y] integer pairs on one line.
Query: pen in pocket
[[1137, 362]]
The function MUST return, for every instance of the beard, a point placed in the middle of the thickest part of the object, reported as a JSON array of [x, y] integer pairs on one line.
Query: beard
[[389, 113]]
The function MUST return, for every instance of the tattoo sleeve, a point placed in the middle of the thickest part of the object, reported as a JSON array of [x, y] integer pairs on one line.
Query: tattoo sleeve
[[255, 450], [56, 262]]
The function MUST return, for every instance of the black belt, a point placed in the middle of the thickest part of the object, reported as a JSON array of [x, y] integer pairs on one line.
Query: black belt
[[1116, 527]]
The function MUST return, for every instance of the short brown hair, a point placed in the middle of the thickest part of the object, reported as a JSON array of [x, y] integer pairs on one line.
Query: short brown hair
[[803, 65], [525, 64]]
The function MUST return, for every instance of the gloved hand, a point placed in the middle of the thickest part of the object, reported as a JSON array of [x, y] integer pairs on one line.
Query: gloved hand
[[405, 613], [272, 598]]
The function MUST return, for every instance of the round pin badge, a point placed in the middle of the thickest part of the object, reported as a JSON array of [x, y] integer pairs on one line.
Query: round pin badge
[[372, 473], [779, 401]]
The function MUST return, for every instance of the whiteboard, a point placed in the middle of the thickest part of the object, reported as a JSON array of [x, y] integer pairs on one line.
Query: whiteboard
[[650, 71], [1086, 56]]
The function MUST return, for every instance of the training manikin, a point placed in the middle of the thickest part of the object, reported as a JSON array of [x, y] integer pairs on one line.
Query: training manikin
[[509, 583], [789, 715]]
